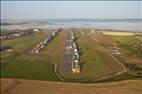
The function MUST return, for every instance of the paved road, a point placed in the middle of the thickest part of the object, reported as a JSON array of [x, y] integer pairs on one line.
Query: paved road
[[67, 64]]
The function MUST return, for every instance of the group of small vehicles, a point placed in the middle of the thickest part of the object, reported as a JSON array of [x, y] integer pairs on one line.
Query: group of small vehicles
[[76, 57], [42, 44]]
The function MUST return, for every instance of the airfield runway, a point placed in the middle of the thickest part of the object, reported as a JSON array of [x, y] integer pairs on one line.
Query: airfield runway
[[67, 64]]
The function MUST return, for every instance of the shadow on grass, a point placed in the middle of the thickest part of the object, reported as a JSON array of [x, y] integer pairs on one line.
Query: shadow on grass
[[75, 39], [81, 65], [80, 51]]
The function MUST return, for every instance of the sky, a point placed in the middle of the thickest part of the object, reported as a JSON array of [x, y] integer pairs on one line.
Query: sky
[[71, 9]]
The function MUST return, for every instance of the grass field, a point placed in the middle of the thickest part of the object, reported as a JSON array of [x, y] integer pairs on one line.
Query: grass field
[[29, 70], [27, 42], [127, 43], [22, 45], [34, 66], [131, 56]]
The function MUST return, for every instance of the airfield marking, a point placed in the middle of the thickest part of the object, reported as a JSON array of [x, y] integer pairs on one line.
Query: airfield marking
[[57, 73], [82, 33], [93, 37]]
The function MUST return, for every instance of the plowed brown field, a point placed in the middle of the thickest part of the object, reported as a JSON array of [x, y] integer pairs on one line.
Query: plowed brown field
[[17, 86]]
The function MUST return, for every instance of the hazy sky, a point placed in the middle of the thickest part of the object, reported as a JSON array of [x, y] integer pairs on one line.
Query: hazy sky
[[70, 9]]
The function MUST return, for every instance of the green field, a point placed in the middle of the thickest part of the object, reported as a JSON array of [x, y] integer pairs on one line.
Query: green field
[[95, 60], [127, 43], [22, 45], [29, 65], [131, 56], [29, 70]]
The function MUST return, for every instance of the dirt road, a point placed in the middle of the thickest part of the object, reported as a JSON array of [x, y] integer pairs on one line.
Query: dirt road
[[17, 86]]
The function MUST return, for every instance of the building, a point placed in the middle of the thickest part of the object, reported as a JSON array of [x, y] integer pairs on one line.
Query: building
[[36, 30]]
